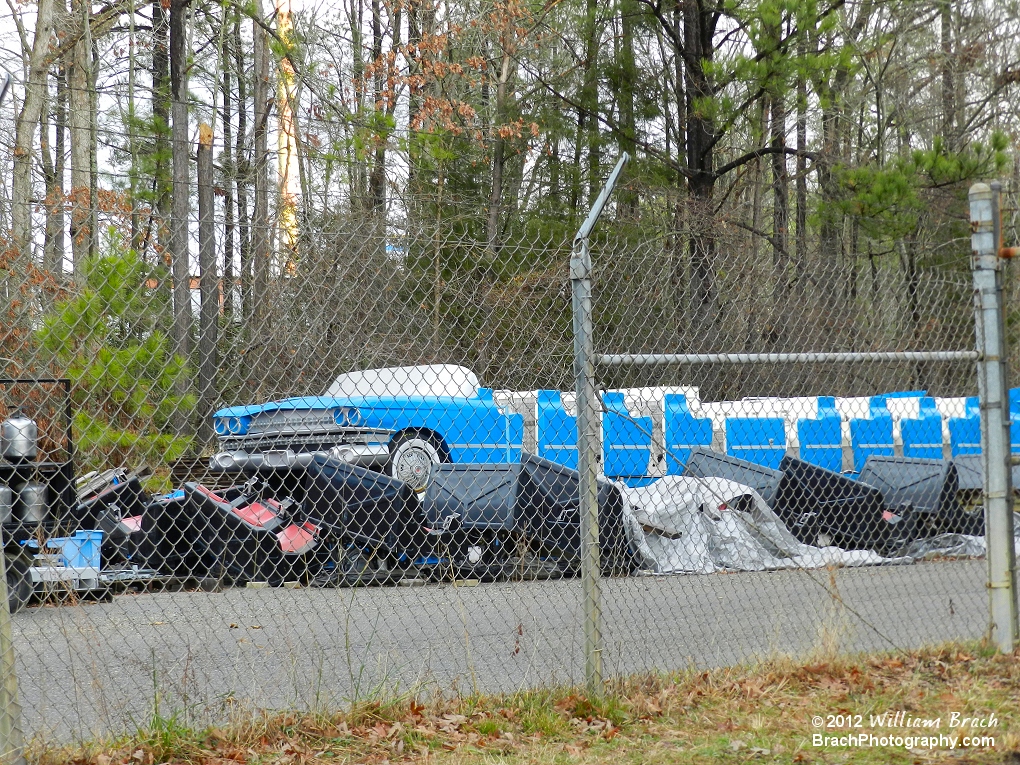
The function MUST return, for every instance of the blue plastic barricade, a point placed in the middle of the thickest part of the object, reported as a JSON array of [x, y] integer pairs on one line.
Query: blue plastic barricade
[[626, 440], [557, 430], [761, 440], [821, 439], [973, 404], [965, 435], [682, 431], [923, 437], [873, 435]]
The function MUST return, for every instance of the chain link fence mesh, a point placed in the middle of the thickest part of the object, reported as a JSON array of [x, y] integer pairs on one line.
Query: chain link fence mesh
[[813, 438], [180, 546]]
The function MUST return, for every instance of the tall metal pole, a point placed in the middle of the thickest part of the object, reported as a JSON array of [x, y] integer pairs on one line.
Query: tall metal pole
[[588, 449], [995, 442], [589, 436], [12, 741]]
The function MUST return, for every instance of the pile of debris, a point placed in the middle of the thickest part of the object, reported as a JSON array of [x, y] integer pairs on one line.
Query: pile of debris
[[326, 522], [729, 514]]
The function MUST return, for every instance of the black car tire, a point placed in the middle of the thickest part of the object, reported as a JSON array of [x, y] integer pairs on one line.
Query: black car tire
[[19, 584]]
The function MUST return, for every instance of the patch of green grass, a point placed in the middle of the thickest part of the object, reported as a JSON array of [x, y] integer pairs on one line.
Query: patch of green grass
[[167, 737], [605, 707], [490, 726], [536, 714]]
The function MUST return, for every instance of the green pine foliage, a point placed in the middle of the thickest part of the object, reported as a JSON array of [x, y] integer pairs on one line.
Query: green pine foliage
[[108, 339], [890, 199]]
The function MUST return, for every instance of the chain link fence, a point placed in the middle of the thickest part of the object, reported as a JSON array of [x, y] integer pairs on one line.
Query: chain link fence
[[345, 466]]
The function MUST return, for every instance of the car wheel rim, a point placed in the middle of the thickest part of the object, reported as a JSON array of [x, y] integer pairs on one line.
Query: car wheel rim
[[414, 464]]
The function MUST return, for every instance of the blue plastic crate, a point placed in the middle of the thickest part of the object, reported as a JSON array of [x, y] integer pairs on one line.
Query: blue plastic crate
[[83, 550]]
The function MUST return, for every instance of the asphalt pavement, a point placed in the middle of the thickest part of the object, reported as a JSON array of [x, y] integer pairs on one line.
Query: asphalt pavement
[[100, 668]]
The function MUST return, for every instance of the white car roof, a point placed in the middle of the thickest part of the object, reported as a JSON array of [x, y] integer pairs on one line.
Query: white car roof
[[424, 380]]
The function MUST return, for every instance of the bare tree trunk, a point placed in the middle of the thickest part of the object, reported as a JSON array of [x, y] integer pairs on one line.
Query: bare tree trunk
[[28, 120], [93, 146], [780, 219], [48, 171], [53, 252], [948, 79], [181, 177], [703, 302], [801, 183], [498, 157], [757, 196], [679, 207], [181, 203], [679, 94], [133, 148], [832, 93], [359, 192], [242, 176], [588, 133], [228, 173], [162, 184], [496, 193], [209, 311], [288, 162], [908, 258], [628, 206], [260, 162], [575, 165], [80, 128], [437, 274], [414, 100], [554, 170], [377, 178], [390, 99]]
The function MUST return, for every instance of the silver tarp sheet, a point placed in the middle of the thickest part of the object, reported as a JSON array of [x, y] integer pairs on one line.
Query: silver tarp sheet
[[956, 545], [702, 525]]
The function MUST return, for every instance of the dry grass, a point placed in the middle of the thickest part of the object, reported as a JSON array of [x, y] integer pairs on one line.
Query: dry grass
[[738, 715]]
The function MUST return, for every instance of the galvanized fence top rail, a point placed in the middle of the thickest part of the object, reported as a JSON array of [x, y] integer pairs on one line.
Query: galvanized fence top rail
[[820, 357]]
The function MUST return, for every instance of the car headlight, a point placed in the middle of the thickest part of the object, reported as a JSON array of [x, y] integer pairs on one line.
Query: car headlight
[[231, 426], [348, 416]]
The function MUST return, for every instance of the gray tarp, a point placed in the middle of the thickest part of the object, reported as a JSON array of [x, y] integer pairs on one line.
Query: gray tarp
[[680, 524], [956, 545]]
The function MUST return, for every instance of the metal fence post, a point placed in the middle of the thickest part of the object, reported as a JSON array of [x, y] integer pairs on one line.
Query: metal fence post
[[587, 464], [11, 738], [995, 417], [589, 441]]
